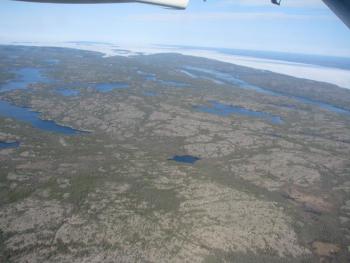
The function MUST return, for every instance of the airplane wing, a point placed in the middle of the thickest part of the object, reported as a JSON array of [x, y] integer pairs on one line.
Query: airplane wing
[[176, 4], [340, 7]]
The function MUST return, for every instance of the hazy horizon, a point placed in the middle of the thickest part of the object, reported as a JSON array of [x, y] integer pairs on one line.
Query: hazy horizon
[[294, 27]]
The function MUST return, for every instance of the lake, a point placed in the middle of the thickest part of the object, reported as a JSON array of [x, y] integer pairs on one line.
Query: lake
[[8, 110], [229, 79], [221, 109], [24, 77]]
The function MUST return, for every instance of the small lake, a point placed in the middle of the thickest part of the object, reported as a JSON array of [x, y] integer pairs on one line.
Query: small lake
[[185, 159], [229, 79], [221, 109], [24, 77], [68, 92], [107, 87], [8, 110], [6, 145]]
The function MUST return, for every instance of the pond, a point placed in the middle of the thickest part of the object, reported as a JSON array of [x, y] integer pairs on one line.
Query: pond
[[6, 145], [185, 159]]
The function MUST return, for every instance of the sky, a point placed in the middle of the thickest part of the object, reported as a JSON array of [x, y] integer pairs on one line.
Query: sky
[[298, 26]]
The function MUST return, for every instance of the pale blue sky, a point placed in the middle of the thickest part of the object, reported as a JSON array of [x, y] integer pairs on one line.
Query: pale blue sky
[[303, 26]]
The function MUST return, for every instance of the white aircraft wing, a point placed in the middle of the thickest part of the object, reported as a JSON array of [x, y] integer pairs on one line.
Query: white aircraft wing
[[176, 4]]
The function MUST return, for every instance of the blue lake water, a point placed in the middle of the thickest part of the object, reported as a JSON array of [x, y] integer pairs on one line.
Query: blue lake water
[[228, 78], [221, 109], [26, 115], [68, 92], [24, 77], [6, 145], [184, 159], [107, 87]]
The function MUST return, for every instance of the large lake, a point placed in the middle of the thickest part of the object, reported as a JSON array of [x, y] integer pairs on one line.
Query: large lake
[[24, 77], [27, 115], [230, 79]]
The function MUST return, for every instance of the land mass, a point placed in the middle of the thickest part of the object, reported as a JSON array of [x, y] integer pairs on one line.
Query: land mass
[[168, 158]]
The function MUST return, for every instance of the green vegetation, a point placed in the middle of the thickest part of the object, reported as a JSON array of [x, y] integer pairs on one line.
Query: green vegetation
[[261, 192]]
